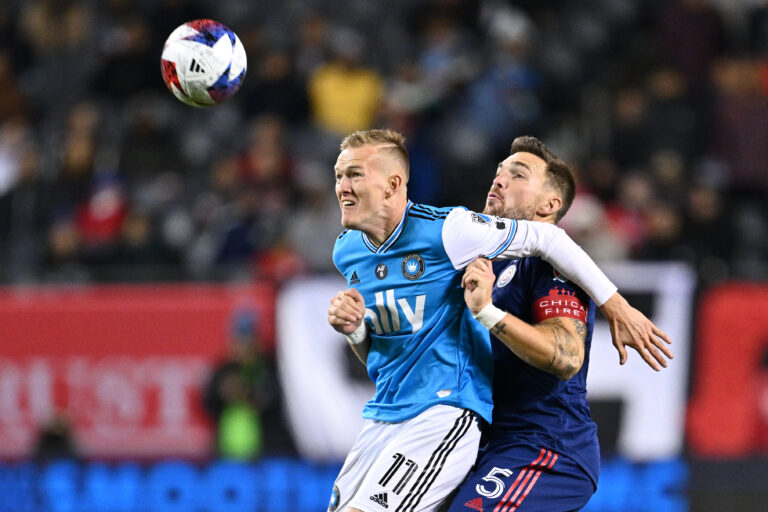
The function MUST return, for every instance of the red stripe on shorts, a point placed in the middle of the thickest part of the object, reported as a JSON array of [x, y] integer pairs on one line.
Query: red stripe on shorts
[[530, 486], [522, 474]]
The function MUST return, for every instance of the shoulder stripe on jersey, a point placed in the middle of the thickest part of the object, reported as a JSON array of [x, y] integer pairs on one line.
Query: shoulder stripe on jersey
[[436, 461], [429, 211], [425, 217], [393, 237], [505, 244], [342, 234]]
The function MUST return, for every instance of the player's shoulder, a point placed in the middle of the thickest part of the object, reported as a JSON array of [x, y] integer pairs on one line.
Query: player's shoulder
[[345, 242], [429, 213], [542, 274]]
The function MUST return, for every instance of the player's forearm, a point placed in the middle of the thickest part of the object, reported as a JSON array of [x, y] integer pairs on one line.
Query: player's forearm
[[550, 347], [360, 342], [361, 350]]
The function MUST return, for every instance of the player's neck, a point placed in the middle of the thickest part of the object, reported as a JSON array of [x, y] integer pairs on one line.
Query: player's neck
[[550, 219], [390, 218]]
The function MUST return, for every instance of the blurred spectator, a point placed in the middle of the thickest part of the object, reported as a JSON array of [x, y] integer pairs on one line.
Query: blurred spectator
[[258, 186], [344, 94], [707, 233], [632, 130], [273, 87], [24, 202], [674, 123], [60, 34], [691, 34], [503, 98], [100, 220], [757, 16], [149, 145], [239, 391], [664, 227], [740, 133], [76, 163], [141, 246], [587, 223], [316, 222], [128, 54], [55, 441], [12, 101], [312, 42], [626, 213]]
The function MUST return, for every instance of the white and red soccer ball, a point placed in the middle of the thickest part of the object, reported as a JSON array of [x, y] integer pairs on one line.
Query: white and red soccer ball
[[203, 63]]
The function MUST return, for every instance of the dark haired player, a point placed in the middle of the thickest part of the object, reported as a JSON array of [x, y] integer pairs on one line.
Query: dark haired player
[[541, 451]]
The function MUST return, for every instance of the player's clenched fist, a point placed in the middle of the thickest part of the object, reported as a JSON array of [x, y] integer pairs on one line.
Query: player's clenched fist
[[478, 282], [347, 310]]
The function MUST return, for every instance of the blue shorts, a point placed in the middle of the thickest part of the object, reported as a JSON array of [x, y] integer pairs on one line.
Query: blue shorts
[[523, 479]]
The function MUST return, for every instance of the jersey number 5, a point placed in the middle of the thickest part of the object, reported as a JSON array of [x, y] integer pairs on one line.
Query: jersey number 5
[[498, 485]]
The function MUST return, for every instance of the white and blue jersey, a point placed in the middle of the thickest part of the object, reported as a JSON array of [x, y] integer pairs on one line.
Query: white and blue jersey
[[426, 347]]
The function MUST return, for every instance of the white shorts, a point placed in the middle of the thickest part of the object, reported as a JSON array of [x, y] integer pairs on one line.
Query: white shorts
[[411, 466]]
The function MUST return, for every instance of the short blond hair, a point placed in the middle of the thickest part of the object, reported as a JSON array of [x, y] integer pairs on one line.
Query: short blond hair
[[392, 140]]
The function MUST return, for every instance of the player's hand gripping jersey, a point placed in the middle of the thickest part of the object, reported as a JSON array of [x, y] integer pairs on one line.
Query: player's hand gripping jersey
[[426, 347]]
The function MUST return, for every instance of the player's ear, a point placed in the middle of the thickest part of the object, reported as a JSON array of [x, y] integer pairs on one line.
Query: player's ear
[[395, 181], [549, 206]]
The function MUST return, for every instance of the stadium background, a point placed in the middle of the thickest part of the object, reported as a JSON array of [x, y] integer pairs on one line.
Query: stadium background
[[143, 242]]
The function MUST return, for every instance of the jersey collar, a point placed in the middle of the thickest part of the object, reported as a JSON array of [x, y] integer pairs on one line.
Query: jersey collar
[[389, 242]]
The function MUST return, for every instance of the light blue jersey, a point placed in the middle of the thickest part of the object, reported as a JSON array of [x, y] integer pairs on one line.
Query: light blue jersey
[[427, 349]]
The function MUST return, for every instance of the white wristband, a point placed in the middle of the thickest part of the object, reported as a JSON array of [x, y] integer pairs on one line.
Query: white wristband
[[358, 336], [490, 315]]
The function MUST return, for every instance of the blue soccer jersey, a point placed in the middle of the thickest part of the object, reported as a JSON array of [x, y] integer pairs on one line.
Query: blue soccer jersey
[[534, 407], [426, 347]]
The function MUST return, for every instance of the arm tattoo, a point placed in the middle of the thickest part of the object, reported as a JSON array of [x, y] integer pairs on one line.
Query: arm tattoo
[[499, 329], [568, 354]]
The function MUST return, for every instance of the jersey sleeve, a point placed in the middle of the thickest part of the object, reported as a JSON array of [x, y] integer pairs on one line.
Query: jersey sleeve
[[553, 245], [467, 235]]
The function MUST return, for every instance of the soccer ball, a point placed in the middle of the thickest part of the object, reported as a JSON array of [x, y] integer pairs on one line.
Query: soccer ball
[[203, 63]]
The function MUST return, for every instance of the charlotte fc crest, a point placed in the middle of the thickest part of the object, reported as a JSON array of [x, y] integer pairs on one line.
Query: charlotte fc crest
[[413, 267]]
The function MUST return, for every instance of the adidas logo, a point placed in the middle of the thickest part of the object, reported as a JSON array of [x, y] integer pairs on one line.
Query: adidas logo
[[195, 67], [354, 279], [475, 504], [381, 499]]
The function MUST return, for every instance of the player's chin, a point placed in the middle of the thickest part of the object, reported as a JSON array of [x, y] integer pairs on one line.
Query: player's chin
[[348, 220], [492, 207]]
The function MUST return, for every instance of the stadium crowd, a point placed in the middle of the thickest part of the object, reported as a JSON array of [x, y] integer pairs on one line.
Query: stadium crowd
[[660, 105]]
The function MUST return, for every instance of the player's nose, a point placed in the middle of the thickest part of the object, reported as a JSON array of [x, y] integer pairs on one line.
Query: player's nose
[[344, 185]]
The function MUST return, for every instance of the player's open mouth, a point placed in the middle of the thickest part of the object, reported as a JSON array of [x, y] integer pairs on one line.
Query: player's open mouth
[[347, 203], [493, 196]]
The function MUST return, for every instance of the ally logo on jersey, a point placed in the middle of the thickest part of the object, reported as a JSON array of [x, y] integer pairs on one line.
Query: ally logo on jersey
[[385, 317]]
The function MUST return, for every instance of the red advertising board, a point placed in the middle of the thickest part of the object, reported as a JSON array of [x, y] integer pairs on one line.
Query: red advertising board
[[124, 364], [728, 408]]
